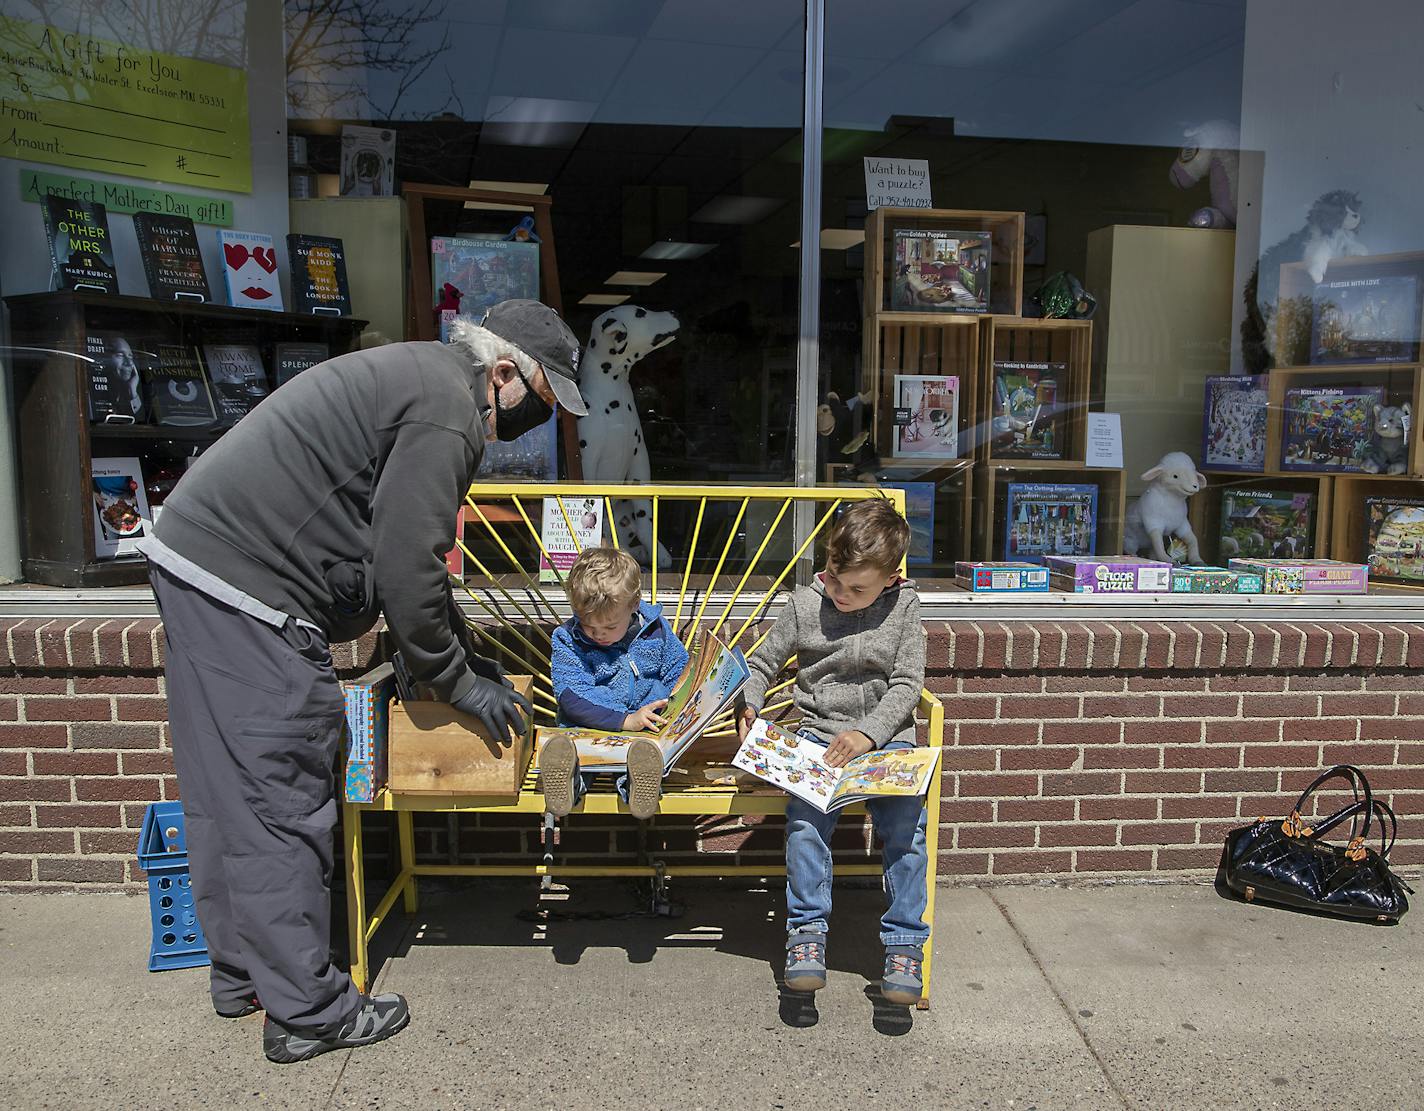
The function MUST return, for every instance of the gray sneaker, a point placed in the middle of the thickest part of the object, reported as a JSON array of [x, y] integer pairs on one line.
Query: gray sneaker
[[380, 1016], [645, 777], [558, 764], [904, 974], [805, 962]]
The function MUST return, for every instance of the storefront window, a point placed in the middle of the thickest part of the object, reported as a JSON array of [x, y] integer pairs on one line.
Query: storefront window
[[1230, 213]]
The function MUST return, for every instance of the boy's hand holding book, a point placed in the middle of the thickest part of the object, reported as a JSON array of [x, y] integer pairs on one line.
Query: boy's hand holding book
[[846, 746], [647, 717], [745, 721]]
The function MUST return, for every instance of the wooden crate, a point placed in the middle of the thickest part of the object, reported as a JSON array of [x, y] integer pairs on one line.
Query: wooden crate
[[1349, 523], [1401, 381], [992, 479], [1069, 342], [1006, 231], [435, 748], [953, 523], [1204, 509], [922, 344]]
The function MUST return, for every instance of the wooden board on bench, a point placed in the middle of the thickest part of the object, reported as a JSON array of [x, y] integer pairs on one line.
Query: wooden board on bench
[[435, 749]]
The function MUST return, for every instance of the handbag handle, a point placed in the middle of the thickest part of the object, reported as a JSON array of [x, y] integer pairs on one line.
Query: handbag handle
[[1292, 826]]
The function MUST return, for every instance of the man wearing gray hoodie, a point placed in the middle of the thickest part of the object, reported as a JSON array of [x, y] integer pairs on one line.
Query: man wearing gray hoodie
[[331, 502]]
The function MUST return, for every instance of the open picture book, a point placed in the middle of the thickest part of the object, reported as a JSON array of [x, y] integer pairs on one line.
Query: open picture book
[[798, 766], [713, 676]]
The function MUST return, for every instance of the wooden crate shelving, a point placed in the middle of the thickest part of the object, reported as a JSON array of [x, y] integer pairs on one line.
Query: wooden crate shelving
[[1402, 382], [1349, 520], [1006, 232], [1205, 508], [934, 346], [1028, 340], [990, 491]]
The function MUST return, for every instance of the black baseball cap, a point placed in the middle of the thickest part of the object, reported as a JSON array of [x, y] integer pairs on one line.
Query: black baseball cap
[[541, 333]]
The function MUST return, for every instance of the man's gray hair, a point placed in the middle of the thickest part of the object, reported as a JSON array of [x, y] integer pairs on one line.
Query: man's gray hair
[[486, 348]]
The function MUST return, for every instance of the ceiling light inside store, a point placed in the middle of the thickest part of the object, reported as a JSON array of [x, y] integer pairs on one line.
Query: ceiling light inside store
[[839, 239], [534, 188], [635, 277], [528, 121], [670, 249], [728, 209], [604, 298]]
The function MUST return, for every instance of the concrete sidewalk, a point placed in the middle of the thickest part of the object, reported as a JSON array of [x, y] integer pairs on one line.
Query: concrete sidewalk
[[1106, 997]]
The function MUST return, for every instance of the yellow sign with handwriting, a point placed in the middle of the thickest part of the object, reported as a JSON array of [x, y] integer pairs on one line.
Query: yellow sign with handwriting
[[75, 100]]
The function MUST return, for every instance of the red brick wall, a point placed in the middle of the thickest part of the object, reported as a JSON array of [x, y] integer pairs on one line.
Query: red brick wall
[[1071, 748]]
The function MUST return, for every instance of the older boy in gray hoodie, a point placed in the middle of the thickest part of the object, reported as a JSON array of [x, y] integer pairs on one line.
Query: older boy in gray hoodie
[[860, 653]]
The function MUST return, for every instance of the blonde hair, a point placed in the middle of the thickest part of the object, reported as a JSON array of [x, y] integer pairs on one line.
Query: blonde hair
[[486, 348], [603, 580], [870, 533]]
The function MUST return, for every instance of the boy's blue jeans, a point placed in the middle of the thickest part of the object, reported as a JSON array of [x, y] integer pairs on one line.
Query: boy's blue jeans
[[583, 779], [900, 825]]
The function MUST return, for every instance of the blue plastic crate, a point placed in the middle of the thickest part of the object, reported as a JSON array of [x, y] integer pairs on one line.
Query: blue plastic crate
[[163, 842], [178, 940]]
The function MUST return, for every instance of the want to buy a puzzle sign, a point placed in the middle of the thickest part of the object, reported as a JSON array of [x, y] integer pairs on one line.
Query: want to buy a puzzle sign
[[897, 183]]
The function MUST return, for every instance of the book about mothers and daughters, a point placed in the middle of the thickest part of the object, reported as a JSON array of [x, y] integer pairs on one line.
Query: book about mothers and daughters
[[797, 765], [711, 679]]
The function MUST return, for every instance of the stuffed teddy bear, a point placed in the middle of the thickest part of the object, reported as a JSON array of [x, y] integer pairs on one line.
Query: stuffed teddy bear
[[1161, 511], [1388, 452]]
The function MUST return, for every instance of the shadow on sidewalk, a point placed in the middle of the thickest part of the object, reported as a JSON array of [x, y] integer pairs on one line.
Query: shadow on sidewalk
[[741, 919]]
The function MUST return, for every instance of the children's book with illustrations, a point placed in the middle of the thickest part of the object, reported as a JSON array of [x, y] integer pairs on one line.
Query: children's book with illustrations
[[798, 766], [712, 677]]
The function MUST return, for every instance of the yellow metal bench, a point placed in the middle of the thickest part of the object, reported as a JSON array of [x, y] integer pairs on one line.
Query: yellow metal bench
[[519, 611]]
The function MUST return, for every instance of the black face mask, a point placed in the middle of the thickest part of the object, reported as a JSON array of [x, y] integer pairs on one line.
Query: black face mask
[[530, 412]]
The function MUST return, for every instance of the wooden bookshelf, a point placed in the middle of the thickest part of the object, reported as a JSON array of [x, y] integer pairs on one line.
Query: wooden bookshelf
[[1028, 340], [993, 478]]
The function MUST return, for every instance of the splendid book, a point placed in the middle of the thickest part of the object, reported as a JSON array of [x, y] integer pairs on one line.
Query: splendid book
[[797, 765], [1366, 320], [1234, 423], [1027, 422], [1328, 428], [1050, 518], [293, 358], [177, 390], [712, 677], [250, 269], [926, 416], [940, 271], [319, 283], [172, 261], [238, 378], [115, 379], [80, 249]]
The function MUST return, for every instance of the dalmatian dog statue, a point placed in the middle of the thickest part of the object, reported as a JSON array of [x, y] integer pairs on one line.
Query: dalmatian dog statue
[[611, 436]]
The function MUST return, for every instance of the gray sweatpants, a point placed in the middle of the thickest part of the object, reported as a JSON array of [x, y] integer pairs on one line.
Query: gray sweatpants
[[255, 718]]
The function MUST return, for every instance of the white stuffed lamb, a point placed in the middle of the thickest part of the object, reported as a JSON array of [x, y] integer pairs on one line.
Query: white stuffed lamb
[[1161, 511]]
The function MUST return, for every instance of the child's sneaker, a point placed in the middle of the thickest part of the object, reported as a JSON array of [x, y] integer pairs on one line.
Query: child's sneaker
[[558, 764], [645, 777], [806, 962], [904, 975]]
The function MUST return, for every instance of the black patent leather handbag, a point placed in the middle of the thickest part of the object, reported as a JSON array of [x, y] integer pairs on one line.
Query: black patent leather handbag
[[1288, 862]]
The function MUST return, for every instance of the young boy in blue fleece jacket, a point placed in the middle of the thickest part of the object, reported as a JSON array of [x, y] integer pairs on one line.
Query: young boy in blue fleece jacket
[[614, 664]]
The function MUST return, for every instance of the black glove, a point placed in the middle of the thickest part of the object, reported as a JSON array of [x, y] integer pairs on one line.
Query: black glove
[[496, 707], [486, 669]]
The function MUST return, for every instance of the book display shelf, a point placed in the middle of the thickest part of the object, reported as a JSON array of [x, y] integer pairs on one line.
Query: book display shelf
[[972, 398], [53, 335]]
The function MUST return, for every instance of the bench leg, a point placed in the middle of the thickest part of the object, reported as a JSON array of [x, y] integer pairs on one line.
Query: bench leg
[[931, 874], [405, 828], [355, 895]]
